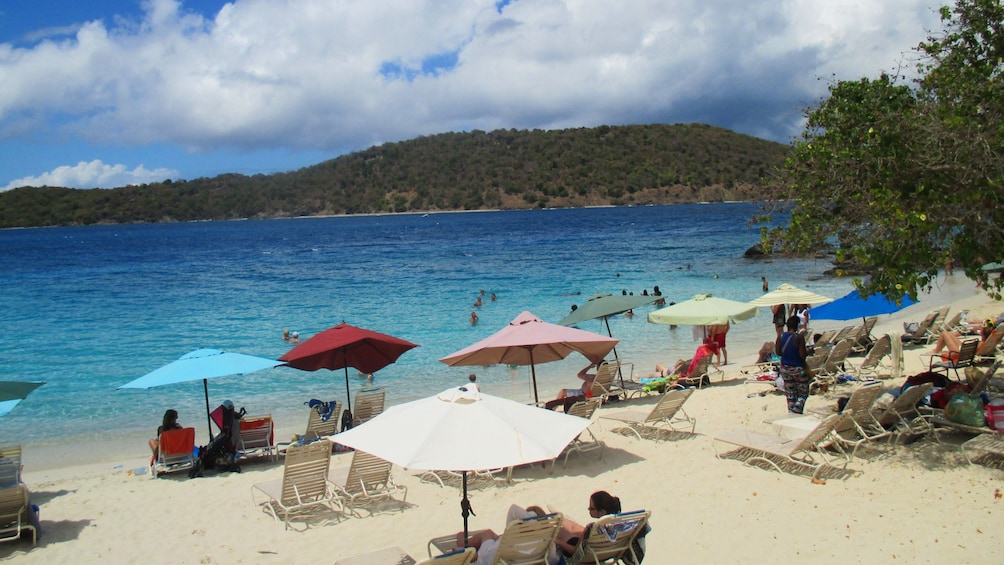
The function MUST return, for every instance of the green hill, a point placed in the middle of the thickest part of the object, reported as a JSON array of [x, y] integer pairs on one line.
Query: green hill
[[503, 169]]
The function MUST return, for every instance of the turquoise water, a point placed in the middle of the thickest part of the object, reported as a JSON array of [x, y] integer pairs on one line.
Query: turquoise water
[[87, 309]]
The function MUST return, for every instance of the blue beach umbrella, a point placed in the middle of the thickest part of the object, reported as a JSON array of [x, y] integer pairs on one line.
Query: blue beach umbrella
[[203, 364], [12, 392], [853, 305]]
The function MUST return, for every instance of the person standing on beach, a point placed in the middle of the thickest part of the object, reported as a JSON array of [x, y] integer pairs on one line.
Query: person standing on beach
[[790, 347], [780, 315], [717, 335]]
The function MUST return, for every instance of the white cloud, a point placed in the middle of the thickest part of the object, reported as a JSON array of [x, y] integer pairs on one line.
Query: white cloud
[[94, 174], [306, 74]]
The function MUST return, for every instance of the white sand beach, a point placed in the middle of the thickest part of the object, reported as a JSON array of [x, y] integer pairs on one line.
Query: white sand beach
[[919, 503]]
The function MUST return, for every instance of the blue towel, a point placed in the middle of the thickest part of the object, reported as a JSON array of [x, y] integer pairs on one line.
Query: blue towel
[[324, 409]]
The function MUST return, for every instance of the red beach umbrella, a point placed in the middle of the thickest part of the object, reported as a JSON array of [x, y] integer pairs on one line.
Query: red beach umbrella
[[528, 340], [345, 346]]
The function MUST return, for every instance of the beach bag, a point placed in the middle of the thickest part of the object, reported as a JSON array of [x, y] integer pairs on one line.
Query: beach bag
[[966, 410], [994, 414]]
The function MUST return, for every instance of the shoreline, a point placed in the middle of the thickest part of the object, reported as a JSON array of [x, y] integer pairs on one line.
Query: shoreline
[[122, 449], [891, 505]]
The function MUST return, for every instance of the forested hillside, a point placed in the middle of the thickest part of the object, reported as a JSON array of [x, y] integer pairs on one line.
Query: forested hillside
[[503, 169]]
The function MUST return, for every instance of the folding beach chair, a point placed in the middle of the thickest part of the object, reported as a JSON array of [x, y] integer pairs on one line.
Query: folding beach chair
[[176, 451], [611, 539], [257, 437]]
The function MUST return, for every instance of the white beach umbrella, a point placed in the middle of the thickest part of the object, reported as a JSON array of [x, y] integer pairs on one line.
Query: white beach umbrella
[[789, 294], [436, 433]]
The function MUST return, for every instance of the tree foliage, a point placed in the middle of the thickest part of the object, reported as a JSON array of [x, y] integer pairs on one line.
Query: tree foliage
[[903, 178], [502, 169]]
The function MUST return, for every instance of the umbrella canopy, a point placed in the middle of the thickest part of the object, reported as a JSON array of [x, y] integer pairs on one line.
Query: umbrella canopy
[[789, 294], [528, 340], [13, 392], [994, 267], [703, 310], [436, 433], [853, 305], [605, 305], [345, 346], [203, 364]]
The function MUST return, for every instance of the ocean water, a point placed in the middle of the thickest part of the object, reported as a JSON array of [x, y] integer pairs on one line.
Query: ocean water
[[87, 309]]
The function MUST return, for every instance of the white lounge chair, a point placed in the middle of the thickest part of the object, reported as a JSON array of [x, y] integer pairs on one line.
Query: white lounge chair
[[304, 487], [668, 413], [808, 453]]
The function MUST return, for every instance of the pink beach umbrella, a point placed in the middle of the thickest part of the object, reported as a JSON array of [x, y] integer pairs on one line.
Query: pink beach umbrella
[[528, 340]]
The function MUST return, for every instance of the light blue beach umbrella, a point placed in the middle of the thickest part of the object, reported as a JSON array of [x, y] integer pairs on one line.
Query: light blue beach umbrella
[[203, 364], [13, 392]]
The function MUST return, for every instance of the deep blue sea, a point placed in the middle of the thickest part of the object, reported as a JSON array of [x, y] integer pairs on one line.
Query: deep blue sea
[[87, 309]]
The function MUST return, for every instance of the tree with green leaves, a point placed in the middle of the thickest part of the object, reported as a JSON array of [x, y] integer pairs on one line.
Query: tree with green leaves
[[904, 178]]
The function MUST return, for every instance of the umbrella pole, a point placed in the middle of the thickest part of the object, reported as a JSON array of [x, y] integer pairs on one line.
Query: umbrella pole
[[606, 320], [533, 375], [348, 396], [465, 508], [209, 420]]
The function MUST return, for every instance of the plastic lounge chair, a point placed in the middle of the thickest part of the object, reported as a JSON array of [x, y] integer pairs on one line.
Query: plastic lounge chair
[[834, 363], [610, 539], [872, 363], [10, 465], [939, 320], [367, 480], [864, 338], [667, 413], [304, 486], [15, 516], [902, 416], [861, 427], [919, 336], [987, 352], [524, 542], [603, 383], [587, 410], [176, 451], [368, 405], [776, 451], [257, 437], [317, 425], [825, 338], [701, 373]]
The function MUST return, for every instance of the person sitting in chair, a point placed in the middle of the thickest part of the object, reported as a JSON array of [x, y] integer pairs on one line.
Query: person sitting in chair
[[569, 396]]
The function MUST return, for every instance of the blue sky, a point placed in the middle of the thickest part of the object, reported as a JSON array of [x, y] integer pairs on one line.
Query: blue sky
[[104, 93]]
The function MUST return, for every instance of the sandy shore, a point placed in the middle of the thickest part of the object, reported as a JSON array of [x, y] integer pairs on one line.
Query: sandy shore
[[920, 503]]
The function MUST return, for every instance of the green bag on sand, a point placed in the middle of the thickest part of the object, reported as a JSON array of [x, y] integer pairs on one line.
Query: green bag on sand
[[966, 409]]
